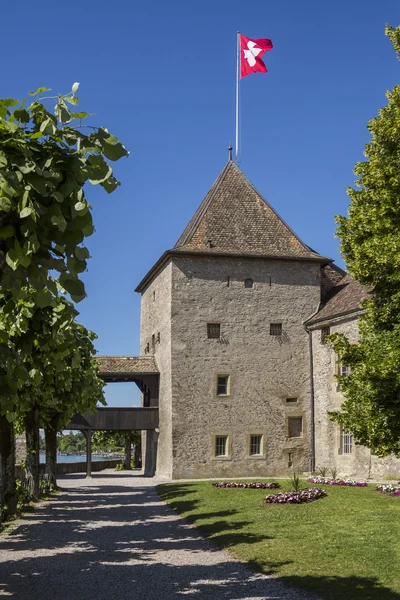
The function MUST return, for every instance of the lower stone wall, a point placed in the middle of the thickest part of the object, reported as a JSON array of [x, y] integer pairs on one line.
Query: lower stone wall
[[77, 467]]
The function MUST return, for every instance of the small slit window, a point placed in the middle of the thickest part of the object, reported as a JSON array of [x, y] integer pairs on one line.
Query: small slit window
[[223, 385], [248, 283], [275, 329], [221, 445], [291, 400], [325, 331], [295, 427], [213, 331], [255, 445]]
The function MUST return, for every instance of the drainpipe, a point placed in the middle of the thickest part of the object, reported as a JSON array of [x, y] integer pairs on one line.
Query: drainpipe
[[312, 396]]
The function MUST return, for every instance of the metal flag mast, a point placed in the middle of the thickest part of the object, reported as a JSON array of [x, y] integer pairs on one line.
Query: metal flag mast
[[237, 96]]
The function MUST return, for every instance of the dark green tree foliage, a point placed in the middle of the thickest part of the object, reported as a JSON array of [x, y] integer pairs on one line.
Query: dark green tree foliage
[[46, 159], [112, 440], [370, 245]]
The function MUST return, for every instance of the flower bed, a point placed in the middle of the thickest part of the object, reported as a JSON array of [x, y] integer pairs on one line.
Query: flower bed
[[258, 485], [300, 497], [393, 490], [330, 481]]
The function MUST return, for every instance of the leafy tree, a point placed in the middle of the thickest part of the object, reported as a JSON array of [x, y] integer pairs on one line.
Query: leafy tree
[[45, 161], [370, 245], [71, 442], [119, 439]]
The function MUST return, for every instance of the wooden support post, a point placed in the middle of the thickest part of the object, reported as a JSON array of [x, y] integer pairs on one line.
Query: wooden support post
[[88, 435]]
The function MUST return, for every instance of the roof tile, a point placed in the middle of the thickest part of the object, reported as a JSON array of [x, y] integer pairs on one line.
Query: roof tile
[[235, 219]]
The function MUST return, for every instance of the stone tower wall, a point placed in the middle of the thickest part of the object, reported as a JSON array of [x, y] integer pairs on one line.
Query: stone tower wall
[[156, 321], [265, 370], [360, 463]]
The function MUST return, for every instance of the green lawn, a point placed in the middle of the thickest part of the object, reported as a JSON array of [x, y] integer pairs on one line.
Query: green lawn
[[344, 546]]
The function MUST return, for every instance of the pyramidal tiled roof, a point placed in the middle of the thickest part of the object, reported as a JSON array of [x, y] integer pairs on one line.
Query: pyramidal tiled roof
[[235, 219]]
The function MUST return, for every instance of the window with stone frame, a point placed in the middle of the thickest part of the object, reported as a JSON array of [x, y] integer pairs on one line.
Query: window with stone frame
[[325, 331], [248, 283], [223, 385], [341, 370], [221, 445], [295, 427], [213, 331], [346, 441], [275, 329], [256, 445]]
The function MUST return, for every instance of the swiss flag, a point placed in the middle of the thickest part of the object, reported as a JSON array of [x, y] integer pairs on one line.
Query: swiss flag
[[251, 52]]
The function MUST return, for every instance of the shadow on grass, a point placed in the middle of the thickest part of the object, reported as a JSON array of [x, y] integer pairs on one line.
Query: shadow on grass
[[348, 588]]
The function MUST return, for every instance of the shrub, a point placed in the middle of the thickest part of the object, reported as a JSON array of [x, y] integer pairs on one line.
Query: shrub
[[23, 496], [300, 497], [323, 471], [334, 472], [344, 482], [295, 482], [393, 490], [259, 485]]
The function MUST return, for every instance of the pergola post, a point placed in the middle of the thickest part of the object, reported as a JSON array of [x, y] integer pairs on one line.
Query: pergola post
[[88, 435]]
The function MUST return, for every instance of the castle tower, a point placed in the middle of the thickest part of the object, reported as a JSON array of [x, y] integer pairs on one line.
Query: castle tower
[[223, 312]]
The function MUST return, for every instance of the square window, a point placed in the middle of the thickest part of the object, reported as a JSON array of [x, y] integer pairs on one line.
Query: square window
[[291, 400], [255, 445], [223, 385], [325, 331], [221, 445], [248, 283], [213, 331], [295, 427], [275, 329]]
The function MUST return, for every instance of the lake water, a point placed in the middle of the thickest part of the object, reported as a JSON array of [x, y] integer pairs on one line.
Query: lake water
[[69, 459]]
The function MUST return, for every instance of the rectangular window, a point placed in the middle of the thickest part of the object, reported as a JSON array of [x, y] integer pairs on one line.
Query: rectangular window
[[213, 331], [295, 427], [346, 441], [275, 329], [223, 385], [291, 400], [341, 370], [255, 445], [221, 445], [325, 331]]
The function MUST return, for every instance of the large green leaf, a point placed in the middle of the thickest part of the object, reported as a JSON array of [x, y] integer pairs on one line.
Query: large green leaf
[[6, 232], [43, 298], [73, 286], [8, 102], [39, 91]]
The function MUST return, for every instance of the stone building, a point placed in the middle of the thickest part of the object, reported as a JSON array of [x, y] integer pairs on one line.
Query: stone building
[[235, 314]]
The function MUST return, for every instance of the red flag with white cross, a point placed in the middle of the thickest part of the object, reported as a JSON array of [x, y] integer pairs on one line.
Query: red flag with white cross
[[251, 51]]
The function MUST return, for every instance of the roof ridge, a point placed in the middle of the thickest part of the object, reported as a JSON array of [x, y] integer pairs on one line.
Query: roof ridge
[[277, 214], [203, 207]]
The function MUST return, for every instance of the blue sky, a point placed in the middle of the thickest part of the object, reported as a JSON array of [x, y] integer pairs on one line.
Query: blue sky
[[161, 76]]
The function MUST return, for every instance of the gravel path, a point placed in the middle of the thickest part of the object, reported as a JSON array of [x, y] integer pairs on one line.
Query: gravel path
[[112, 538]]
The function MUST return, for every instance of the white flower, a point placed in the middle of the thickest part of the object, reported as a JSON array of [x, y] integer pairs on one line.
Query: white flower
[[75, 87]]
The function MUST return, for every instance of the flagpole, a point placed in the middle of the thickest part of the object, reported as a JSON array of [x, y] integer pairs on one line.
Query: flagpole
[[237, 96]]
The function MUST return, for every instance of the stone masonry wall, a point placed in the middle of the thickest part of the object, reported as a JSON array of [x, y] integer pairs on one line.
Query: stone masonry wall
[[156, 321], [360, 462], [265, 370]]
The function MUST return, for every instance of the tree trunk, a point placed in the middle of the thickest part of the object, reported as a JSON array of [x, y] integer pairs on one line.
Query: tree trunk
[[8, 494], [50, 435], [137, 455], [128, 451], [32, 452]]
